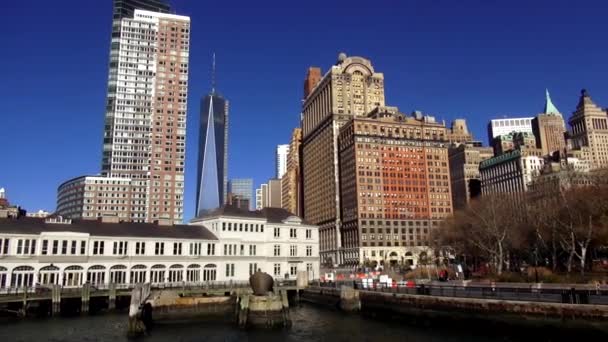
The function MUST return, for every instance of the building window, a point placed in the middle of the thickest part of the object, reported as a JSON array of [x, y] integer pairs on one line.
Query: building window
[[277, 233], [177, 248], [83, 247], [55, 247], [261, 228], [252, 249], [26, 247], [293, 233], [159, 248], [73, 249], [45, 247], [223, 226], [140, 248], [293, 270], [229, 270], [277, 250], [98, 247], [308, 234], [242, 250], [293, 250], [211, 249], [64, 247], [277, 270], [253, 268], [308, 250], [4, 246], [309, 268], [240, 227], [119, 248], [195, 248]]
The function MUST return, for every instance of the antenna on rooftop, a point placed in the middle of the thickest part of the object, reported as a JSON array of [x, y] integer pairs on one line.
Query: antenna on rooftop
[[213, 75]]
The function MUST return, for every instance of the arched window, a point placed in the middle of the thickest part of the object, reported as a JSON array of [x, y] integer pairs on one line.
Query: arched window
[[157, 274], [96, 275], [72, 276], [193, 273], [49, 275], [176, 273], [23, 276], [3, 276], [210, 272], [118, 274], [138, 274]]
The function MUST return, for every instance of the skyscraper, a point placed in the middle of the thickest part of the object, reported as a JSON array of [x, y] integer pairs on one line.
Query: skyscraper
[[351, 88], [212, 172], [291, 189], [281, 160], [243, 188], [590, 131], [145, 115], [549, 128]]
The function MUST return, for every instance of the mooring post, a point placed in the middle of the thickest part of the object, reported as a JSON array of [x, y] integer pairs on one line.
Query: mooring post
[[85, 297], [24, 307], [112, 297], [55, 300]]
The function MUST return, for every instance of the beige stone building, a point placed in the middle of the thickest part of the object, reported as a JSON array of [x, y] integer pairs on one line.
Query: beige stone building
[[589, 135], [290, 183], [394, 186], [464, 171], [549, 129], [351, 88], [459, 132]]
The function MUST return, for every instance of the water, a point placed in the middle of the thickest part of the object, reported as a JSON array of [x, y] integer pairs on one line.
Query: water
[[310, 323]]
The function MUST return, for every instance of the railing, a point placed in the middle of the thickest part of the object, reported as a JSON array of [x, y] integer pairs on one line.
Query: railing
[[41, 289], [549, 293]]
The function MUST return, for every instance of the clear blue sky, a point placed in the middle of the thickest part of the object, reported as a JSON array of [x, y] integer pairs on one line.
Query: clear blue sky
[[474, 59]]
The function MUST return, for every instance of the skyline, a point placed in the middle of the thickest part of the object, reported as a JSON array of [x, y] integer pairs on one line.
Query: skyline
[[409, 90]]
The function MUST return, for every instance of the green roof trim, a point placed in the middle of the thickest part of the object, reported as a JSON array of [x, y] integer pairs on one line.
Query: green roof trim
[[549, 106], [500, 159]]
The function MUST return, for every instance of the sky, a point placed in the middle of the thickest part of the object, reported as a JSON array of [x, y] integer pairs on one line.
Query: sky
[[468, 59]]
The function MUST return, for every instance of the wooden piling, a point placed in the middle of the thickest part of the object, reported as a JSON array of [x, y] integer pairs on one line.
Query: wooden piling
[[112, 296], [56, 300], [85, 296]]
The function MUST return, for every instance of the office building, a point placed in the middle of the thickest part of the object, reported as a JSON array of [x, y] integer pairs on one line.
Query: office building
[[499, 127], [313, 76], [145, 117], [261, 197], [394, 186], [228, 245], [511, 172], [515, 140], [549, 129], [464, 171], [274, 193], [589, 135], [212, 170], [350, 88], [243, 188], [281, 160], [459, 132], [291, 189]]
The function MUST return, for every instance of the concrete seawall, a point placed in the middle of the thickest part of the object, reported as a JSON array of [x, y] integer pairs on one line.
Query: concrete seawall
[[591, 318]]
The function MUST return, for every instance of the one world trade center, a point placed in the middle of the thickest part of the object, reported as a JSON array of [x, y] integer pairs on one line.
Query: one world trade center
[[212, 173]]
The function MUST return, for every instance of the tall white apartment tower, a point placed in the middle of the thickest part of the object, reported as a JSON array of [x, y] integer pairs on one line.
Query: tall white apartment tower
[[281, 160], [145, 120]]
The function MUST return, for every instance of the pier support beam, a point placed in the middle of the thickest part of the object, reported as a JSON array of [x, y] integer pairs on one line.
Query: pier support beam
[[55, 300], [112, 297], [85, 297]]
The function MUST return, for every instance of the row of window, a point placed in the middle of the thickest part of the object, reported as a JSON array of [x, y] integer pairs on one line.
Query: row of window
[[293, 250]]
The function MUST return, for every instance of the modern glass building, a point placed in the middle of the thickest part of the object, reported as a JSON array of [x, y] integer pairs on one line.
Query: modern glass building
[[212, 154], [243, 188]]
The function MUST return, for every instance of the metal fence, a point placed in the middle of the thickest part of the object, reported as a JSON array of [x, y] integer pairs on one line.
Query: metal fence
[[548, 293]]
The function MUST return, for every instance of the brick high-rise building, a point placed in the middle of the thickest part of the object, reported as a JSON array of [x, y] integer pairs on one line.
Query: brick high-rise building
[[313, 76], [145, 117], [394, 185], [351, 88], [549, 129], [290, 183], [589, 133]]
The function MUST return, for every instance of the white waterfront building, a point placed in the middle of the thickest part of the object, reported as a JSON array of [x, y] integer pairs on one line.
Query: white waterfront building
[[227, 245]]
